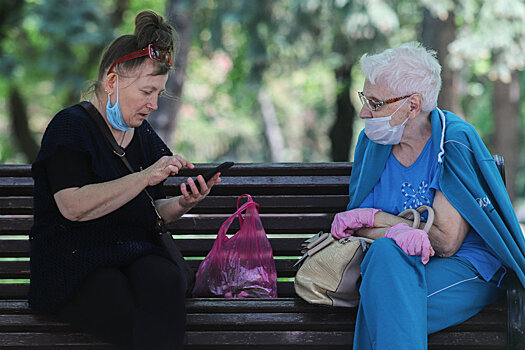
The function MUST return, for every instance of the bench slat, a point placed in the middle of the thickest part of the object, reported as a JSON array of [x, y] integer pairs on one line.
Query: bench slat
[[229, 321], [276, 204], [23, 205], [273, 180], [485, 340], [222, 305], [16, 205], [331, 320], [16, 186], [240, 169], [189, 247], [15, 170], [14, 290], [300, 224], [10, 269], [14, 269], [20, 269], [14, 248], [205, 225], [213, 203], [39, 340], [20, 290]]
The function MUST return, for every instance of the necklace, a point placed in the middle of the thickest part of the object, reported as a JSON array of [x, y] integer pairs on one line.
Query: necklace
[[122, 141]]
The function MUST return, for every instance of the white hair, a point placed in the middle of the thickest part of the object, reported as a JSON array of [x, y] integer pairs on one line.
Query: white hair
[[407, 69]]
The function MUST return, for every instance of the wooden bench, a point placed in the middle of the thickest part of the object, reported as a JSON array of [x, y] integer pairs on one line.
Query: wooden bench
[[297, 201]]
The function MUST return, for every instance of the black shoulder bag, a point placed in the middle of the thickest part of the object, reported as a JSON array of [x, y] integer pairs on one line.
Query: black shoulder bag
[[164, 237]]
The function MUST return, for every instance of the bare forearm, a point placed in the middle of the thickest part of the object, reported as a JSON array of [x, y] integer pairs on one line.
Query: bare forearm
[[171, 209], [382, 222], [372, 233], [445, 236], [96, 200], [437, 238], [383, 219]]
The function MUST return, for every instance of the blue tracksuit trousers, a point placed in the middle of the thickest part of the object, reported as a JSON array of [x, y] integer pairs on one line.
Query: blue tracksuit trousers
[[403, 300]]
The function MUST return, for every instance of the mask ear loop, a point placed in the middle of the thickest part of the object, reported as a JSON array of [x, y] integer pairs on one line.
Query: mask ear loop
[[401, 105], [389, 117], [109, 98], [397, 109]]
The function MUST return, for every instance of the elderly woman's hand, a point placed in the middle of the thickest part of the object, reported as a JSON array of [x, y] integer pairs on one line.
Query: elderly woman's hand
[[347, 222], [190, 198], [164, 167], [412, 241]]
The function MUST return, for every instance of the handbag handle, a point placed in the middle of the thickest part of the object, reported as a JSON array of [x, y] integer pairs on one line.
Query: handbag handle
[[411, 214], [431, 215], [415, 214], [226, 224]]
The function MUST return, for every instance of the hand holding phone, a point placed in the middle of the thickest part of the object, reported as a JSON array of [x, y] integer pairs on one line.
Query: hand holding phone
[[208, 175]]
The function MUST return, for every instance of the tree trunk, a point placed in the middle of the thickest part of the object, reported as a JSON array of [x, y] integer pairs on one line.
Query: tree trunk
[[343, 129], [19, 125], [11, 17], [437, 35], [506, 109], [271, 126], [163, 120]]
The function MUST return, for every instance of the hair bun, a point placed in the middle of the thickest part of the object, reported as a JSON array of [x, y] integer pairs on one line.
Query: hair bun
[[150, 28]]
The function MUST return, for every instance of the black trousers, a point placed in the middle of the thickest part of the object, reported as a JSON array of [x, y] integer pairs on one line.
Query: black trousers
[[139, 306]]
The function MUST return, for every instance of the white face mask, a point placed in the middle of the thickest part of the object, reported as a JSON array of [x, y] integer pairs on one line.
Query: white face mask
[[380, 131]]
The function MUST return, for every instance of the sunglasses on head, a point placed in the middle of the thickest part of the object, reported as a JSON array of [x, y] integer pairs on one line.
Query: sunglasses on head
[[151, 50]]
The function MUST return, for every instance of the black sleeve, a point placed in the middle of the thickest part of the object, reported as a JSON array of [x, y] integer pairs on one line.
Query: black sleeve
[[67, 168], [159, 192]]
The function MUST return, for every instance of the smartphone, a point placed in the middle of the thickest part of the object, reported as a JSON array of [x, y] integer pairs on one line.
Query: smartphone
[[208, 175]]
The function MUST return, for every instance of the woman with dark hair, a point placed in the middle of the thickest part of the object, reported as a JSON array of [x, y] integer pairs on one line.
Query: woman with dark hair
[[94, 258]]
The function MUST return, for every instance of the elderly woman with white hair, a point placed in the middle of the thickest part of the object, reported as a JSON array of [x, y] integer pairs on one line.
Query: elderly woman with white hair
[[413, 154]]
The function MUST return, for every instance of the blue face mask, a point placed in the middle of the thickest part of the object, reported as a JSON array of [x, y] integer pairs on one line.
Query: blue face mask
[[114, 115]]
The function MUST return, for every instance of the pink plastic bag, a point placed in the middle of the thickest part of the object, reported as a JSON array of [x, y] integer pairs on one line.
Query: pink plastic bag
[[241, 266]]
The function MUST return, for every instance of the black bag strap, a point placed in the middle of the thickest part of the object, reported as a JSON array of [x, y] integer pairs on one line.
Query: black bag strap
[[101, 124], [117, 150]]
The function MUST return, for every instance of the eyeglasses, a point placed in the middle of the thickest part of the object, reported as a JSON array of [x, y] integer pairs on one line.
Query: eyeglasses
[[375, 105], [151, 50]]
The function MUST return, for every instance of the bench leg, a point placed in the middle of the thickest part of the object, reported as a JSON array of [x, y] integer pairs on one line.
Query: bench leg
[[516, 316]]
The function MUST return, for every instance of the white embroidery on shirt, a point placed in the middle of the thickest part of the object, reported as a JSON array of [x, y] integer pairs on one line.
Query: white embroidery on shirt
[[415, 199], [483, 202]]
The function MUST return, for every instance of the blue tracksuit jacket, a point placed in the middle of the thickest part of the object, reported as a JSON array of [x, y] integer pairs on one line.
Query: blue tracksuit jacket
[[468, 178]]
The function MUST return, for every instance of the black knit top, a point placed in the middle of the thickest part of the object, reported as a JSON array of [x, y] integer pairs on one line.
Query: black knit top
[[63, 252]]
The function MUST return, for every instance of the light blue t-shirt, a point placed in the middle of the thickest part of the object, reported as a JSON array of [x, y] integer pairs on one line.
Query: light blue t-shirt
[[401, 188]]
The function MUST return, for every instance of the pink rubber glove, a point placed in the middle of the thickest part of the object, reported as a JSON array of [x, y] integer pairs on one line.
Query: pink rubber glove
[[347, 222], [412, 241]]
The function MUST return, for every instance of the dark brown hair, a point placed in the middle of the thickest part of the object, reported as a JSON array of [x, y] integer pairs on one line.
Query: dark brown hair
[[150, 28]]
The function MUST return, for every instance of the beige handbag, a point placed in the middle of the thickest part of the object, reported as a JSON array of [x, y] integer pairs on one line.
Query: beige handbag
[[331, 271]]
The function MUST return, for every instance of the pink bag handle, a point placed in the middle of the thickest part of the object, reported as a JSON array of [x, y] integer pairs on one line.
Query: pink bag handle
[[241, 197], [250, 200], [226, 224]]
